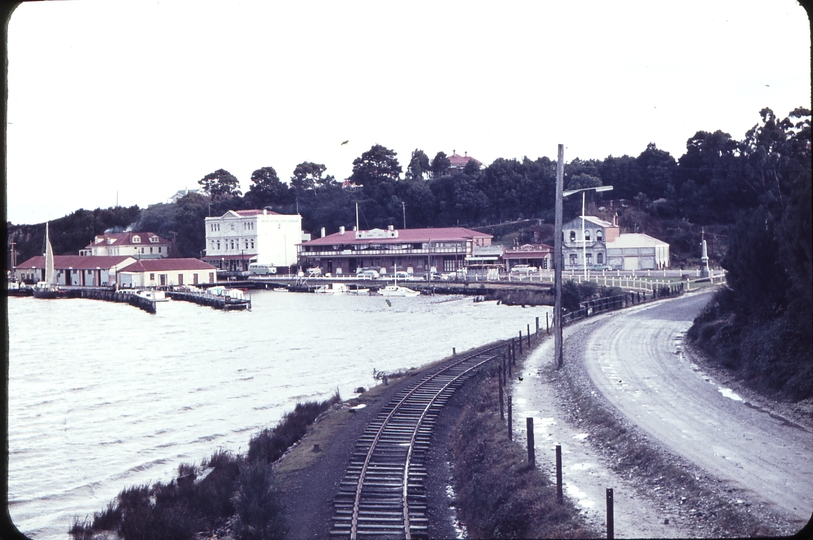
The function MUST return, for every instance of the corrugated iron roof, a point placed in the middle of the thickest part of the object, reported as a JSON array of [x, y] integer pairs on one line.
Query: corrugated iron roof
[[78, 262], [167, 265], [404, 236]]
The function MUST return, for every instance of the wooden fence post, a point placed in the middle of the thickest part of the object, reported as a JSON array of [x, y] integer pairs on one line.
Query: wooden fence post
[[529, 423], [510, 421], [559, 494], [502, 412], [528, 334]]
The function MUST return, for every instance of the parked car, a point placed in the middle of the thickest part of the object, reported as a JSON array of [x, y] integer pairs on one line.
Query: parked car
[[600, 267], [367, 273], [523, 269], [403, 275]]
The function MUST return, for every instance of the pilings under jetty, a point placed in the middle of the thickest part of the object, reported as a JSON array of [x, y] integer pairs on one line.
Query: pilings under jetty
[[216, 301], [130, 297]]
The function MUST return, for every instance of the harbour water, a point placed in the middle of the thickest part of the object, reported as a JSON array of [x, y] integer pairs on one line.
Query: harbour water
[[103, 396]]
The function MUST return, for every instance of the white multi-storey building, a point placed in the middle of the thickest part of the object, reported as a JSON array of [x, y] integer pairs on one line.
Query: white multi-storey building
[[239, 237]]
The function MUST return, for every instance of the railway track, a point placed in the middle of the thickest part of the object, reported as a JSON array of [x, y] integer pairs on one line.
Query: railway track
[[382, 493]]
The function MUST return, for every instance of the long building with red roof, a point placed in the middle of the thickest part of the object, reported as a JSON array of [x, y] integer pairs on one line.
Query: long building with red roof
[[166, 273], [416, 251], [75, 270]]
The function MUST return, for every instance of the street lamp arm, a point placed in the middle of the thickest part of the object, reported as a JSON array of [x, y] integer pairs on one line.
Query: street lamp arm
[[597, 189]]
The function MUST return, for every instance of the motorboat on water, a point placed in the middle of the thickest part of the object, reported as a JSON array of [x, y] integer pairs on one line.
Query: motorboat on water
[[155, 296], [15, 288], [332, 288], [397, 290]]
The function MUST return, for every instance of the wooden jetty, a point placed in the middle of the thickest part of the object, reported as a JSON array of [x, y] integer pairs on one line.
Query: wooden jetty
[[110, 295], [215, 301]]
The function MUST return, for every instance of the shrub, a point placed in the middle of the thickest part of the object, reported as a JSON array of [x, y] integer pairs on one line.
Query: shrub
[[260, 512], [212, 495], [270, 444]]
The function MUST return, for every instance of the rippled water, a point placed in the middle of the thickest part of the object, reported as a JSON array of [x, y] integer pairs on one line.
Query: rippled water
[[104, 396]]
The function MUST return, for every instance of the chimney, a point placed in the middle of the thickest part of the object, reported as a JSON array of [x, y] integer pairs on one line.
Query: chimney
[[615, 219], [390, 227], [265, 211], [323, 232], [341, 229]]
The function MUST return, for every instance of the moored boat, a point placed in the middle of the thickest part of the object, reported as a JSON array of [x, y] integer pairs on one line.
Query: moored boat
[[48, 288], [15, 288], [332, 288], [154, 295], [397, 290]]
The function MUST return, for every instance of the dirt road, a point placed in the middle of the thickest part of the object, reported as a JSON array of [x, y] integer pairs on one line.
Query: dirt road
[[636, 360]]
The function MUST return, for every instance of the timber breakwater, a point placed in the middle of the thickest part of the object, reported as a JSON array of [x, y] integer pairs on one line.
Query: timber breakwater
[[141, 302]]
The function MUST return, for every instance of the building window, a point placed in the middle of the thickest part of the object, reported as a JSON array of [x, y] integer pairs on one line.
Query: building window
[[600, 258], [150, 249], [572, 258], [136, 239], [159, 249], [589, 258], [142, 250], [218, 245], [587, 236], [246, 243], [152, 277], [572, 236], [232, 244], [252, 244], [598, 236]]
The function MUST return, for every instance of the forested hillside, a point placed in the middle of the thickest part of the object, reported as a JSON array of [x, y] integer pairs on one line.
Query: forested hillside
[[761, 324]]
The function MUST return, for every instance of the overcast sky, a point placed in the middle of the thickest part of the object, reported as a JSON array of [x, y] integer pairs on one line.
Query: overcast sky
[[129, 102]]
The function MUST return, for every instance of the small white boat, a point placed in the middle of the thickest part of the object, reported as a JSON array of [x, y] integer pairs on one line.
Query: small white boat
[[358, 291], [155, 296], [332, 288], [397, 290]]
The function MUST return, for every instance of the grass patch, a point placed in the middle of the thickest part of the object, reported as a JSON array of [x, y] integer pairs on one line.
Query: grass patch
[[498, 494]]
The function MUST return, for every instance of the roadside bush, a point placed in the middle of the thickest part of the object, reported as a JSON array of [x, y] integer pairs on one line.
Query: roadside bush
[[260, 512]]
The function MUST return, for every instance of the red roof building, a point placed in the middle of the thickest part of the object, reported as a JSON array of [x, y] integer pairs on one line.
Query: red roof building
[[165, 273], [419, 250], [75, 270]]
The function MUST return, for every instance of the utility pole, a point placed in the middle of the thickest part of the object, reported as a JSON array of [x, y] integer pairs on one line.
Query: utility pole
[[13, 255], [557, 257]]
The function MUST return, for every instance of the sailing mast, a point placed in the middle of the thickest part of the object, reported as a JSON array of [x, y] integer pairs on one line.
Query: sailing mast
[[49, 259]]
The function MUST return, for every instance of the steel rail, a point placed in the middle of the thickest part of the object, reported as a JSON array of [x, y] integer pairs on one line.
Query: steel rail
[[387, 422]]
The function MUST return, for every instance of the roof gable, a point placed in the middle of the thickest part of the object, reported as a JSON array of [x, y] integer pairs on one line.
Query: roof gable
[[404, 236], [167, 265], [78, 262]]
